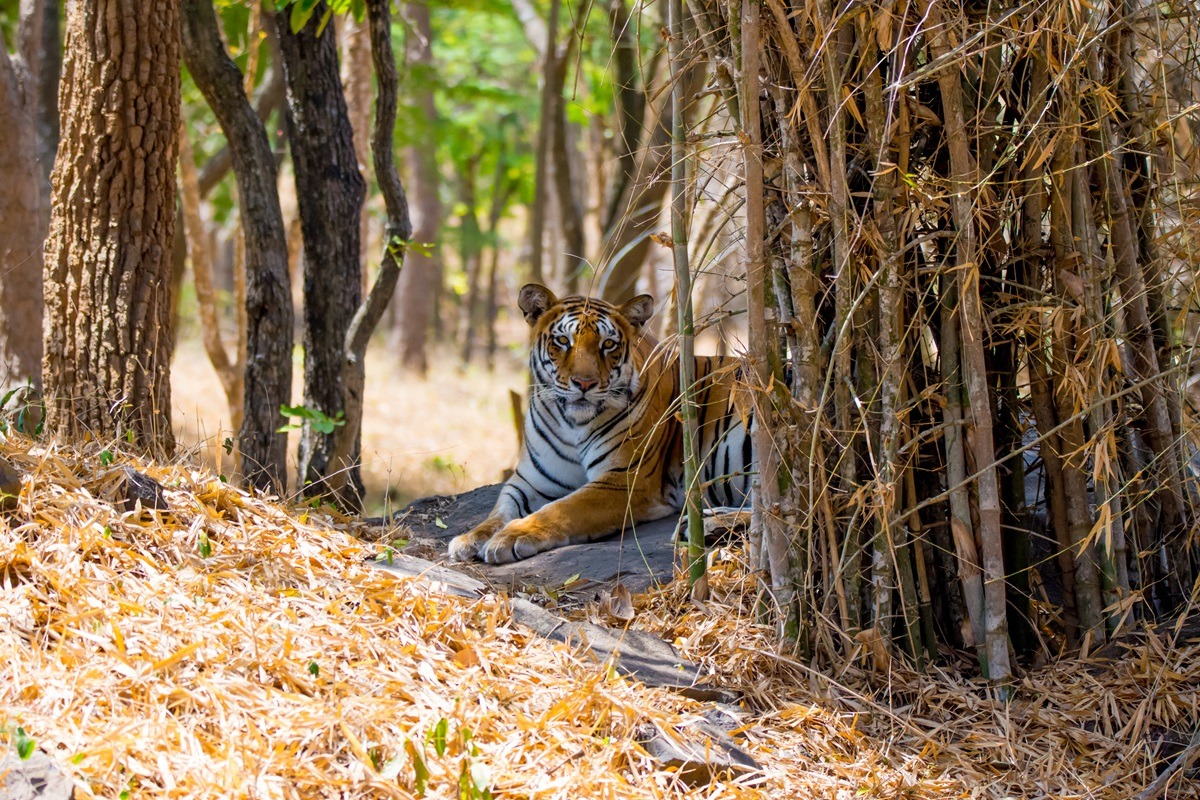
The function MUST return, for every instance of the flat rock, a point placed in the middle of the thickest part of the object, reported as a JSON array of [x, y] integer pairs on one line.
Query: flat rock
[[10, 485], [640, 557], [139, 488], [699, 751], [35, 778]]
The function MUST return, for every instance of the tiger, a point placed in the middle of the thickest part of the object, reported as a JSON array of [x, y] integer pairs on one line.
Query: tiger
[[602, 445]]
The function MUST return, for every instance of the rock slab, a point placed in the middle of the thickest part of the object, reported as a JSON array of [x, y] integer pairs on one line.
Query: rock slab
[[640, 557], [34, 778]]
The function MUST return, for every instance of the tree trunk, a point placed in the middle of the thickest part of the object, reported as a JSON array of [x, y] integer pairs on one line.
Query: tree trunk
[[108, 256], [398, 233], [627, 239], [471, 250], [418, 284], [543, 38], [23, 234], [329, 192], [356, 83], [230, 371], [268, 380]]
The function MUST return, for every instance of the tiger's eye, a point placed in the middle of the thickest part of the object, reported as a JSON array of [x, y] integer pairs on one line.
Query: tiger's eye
[[562, 342]]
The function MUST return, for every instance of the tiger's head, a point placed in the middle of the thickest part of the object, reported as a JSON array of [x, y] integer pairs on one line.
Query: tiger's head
[[582, 350]]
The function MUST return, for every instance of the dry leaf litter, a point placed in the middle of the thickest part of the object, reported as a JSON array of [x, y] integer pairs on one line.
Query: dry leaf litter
[[238, 647]]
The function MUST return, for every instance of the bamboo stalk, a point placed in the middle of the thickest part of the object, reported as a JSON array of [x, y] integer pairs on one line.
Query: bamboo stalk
[[683, 294], [964, 184], [835, 171], [775, 545]]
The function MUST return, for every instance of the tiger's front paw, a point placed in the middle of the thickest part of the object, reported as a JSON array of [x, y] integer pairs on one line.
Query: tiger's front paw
[[516, 542], [466, 547]]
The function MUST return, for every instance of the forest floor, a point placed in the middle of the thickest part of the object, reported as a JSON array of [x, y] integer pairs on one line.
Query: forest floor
[[236, 647]]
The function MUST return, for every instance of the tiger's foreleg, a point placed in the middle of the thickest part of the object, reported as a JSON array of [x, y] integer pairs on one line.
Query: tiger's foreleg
[[516, 499], [593, 511]]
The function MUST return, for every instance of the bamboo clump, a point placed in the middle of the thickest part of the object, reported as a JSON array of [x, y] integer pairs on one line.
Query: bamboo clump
[[972, 225]]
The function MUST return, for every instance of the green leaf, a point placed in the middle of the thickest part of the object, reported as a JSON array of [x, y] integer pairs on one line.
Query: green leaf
[[205, 545], [420, 768], [438, 736], [438, 521], [25, 744], [314, 668], [324, 21], [106, 458]]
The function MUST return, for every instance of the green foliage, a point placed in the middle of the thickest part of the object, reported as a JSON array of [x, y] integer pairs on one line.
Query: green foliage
[[389, 551], [24, 744], [106, 458], [315, 417], [27, 414]]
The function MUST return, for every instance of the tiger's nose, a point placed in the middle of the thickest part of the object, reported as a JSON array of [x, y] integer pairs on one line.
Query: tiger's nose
[[584, 383]]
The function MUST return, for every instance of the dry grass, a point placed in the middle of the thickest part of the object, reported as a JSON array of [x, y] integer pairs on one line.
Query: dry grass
[[237, 648], [445, 434]]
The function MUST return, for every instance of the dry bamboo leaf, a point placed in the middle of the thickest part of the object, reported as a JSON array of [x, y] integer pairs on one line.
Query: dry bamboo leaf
[[617, 603]]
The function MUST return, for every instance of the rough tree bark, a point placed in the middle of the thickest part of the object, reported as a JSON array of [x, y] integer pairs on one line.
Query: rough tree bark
[[418, 284], [108, 256], [356, 83], [268, 380], [329, 192]]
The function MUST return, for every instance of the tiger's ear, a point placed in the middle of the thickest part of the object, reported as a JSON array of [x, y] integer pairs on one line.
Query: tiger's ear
[[638, 310], [534, 300]]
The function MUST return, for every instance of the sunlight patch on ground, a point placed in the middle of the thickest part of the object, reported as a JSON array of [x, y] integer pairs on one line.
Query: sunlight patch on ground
[[445, 434]]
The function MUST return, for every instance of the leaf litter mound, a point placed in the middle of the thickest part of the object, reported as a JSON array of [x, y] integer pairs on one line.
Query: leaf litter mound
[[234, 646]]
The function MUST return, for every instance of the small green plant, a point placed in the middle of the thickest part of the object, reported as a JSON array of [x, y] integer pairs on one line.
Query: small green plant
[[388, 553], [473, 776], [205, 545], [24, 743], [106, 458], [316, 418], [314, 669], [23, 411]]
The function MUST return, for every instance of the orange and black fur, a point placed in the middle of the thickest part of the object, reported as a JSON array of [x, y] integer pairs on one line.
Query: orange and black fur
[[603, 445]]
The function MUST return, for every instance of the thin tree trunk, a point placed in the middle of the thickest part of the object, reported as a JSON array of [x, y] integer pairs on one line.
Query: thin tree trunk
[[471, 254], [107, 275], [356, 85], [230, 371], [330, 192], [482, 298], [419, 283], [547, 119], [268, 379], [398, 233], [774, 543], [626, 241], [630, 105], [23, 234]]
